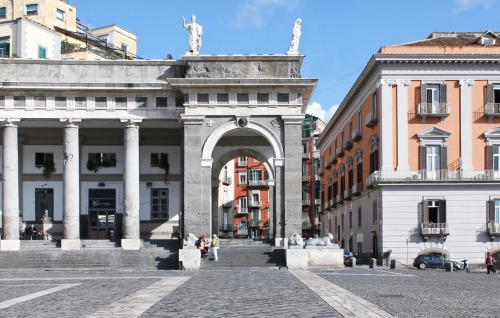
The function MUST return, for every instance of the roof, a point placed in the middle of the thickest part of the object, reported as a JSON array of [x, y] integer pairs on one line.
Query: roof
[[456, 39]]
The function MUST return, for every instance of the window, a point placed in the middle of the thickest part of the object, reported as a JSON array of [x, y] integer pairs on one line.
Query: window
[[4, 49], [80, 102], [3, 12], [159, 204], [103, 159], [41, 158], [433, 98], [359, 173], [159, 160], [342, 224], [243, 208], [101, 102], [32, 9], [124, 47], [242, 98], [433, 158], [19, 101], [121, 102], [242, 161], [360, 122], [350, 219], [203, 98], [225, 174], [497, 211], [60, 101], [242, 178], [161, 102], [262, 98], [283, 98], [374, 105], [434, 212], [39, 102], [375, 212], [141, 102], [359, 217], [60, 15], [373, 161], [44, 204], [223, 98], [254, 175], [42, 52], [179, 102], [496, 158]]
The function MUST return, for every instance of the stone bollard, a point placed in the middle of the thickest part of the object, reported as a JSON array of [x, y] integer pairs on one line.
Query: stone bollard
[[394, 264], [373, 262], [352, 262], [449, 267]]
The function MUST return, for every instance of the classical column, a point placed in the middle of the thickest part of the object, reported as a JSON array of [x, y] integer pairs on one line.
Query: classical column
[[272, 209], [131, 225], [216, 217], [10, 195], [292, 178], [279, 213], [402, 125], [71, 185], [195, 218], [386, 125], [466, 124]]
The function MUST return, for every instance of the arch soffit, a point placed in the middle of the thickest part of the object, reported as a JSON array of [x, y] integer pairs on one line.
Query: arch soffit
[[212, 140], [217, 167]]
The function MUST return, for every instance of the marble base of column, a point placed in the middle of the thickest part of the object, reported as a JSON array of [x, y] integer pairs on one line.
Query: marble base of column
[[131, 244], [10, 245], [278, 241], [71, 244]]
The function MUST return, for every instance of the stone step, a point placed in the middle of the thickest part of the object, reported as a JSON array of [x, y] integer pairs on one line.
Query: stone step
[[240, 257], [99, 245], [39, 245]]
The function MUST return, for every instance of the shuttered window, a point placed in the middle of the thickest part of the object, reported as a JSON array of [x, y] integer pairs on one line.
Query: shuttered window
[[434, 211], [433, 158], [433, 93], [493, 158]]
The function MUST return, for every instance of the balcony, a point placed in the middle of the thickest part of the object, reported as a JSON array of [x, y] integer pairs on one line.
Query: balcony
[[228, 204], [306, 156], [255, 204], [321, 172], [317, 178], [328, 165], [433, 110], [356, 136], [371, 120], [317, 201], [493, 229], [306, 178], [348, 145], [226, 228], [357, 188], [242, 163], [238, 210], [340, 152], [306, 202], [227, 181], [257, 183], [326, 206], [348, 194], [340, 198], [492, 110], [434, 229], [467, 176]]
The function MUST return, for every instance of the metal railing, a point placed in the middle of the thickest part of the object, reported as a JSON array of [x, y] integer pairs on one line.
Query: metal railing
[[433, 175], [255, 203], [257, 183], [434, 229], [306, 178], [494, 228], [492, 109], [306, 201], [434, 109]]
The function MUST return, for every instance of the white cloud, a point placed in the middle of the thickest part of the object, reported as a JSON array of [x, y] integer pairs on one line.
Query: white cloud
[[253, 13], [329, 112], [315, 110], [466, 4]]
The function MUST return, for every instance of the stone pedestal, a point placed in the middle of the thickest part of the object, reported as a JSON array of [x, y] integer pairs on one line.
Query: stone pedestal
[[71, 245], [372, 263], [190, 259], [394, 264], [296, 258], [131, 244], [331, 256]]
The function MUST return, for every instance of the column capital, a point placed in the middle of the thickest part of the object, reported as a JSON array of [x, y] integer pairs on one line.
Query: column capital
[[191, 120], [468, 82], [279, 162], [70, 122], [10, 122], [207, 162], [131, 123], [293, 119], [388, 82], [403, 82]]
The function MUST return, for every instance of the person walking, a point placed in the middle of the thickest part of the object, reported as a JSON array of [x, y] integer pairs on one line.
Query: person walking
[[201, 247], [489, 264], [214, 245]]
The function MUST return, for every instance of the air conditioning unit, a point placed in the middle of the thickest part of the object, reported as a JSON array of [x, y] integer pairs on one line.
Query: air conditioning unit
[[426, 231], [435, 231]]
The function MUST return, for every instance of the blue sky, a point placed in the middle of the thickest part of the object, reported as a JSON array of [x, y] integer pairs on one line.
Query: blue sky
[[338, 37]]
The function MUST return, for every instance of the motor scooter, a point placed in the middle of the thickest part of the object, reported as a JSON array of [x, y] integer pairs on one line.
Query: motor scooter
[[464, 267]]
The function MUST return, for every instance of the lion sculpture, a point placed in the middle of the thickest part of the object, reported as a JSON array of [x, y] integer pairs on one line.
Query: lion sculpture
[[323, 241], [190, 239], [295, 239]]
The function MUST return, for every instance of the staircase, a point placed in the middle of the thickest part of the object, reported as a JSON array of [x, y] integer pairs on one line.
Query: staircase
[[246, 253], [99, 245]]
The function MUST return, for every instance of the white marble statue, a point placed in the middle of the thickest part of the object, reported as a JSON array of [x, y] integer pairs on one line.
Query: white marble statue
[[320, 241], [296, 33], [295, 239], [195, 32]]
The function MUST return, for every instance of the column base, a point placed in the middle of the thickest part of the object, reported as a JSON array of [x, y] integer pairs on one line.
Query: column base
[[190, 259], [71, 245], [131, 244], [280, 242], [296, 258], [10, 245]]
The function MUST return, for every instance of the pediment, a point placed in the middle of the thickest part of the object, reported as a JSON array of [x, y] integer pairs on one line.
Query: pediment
[[493, 133], [432, 133]]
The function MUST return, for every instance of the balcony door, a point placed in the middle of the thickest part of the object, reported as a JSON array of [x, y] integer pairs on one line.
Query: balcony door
[[102, 209], [496, 162], [433, 161], [433, 97]]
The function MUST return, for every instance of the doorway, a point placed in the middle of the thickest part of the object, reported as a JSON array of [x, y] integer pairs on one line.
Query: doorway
[[102, 210]]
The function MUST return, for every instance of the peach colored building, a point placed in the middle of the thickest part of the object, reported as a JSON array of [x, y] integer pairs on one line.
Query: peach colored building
[[410, 162]]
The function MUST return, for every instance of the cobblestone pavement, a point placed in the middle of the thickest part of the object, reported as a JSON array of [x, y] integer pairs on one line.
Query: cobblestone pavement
[[318, 292]]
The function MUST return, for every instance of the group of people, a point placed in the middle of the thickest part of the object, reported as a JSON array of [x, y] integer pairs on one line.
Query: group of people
[[205, 246]]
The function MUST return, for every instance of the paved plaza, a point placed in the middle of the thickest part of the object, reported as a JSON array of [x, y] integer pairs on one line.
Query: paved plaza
[[317, 292]]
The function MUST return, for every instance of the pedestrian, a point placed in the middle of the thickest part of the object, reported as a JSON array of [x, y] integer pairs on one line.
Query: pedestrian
[[489, 264], [214, 245], [201, 247]]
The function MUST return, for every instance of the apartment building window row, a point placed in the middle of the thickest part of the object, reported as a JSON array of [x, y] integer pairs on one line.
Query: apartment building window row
[[3, 12], [433, 100], [31, 9]]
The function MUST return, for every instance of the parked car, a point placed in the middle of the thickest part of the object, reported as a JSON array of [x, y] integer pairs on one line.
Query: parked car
[[348, 257], [423, 261]]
